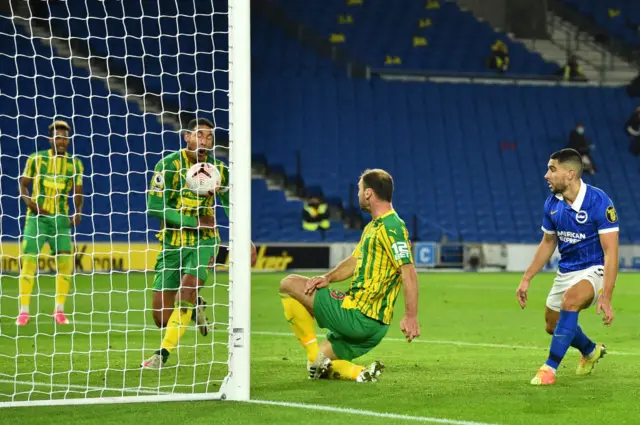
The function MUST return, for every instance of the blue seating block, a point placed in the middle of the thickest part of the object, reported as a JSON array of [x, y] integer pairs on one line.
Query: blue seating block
[[616, 16], [456, 41], [468, 160]]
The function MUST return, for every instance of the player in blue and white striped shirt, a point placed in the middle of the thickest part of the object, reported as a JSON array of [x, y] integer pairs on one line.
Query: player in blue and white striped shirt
[[582, 222]]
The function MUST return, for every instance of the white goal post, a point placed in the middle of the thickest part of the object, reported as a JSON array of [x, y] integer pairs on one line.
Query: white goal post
[[240, 223], [95, 359]]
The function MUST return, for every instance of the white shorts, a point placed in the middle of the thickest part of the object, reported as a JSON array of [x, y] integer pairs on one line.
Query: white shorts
[[564, 281]]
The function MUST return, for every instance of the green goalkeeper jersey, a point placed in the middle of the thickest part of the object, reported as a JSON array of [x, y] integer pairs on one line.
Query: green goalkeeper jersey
[[54, 177], [172, 202]]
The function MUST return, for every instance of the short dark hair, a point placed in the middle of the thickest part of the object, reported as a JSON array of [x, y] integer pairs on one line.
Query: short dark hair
[[196, 122], [380, 182], [58, 125], [569, 156]]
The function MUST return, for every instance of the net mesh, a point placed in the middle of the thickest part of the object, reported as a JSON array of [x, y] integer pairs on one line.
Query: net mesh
[[127, 77]]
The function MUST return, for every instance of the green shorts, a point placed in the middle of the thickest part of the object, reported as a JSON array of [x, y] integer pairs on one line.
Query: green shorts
[[351, 333], [173, 262], [41, 230]]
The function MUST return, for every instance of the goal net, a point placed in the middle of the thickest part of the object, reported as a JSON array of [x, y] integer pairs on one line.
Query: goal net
[[121, 80]]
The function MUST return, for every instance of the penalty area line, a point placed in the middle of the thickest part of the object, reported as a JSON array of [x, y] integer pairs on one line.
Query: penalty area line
[[371, 413]]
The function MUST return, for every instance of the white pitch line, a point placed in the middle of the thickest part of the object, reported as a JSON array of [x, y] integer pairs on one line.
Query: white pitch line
[[80, 387], [422, 341], [359, 412], [319, 407]]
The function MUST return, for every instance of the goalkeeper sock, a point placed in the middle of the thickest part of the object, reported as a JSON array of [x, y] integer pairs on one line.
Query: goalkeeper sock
[[177, 326], [25, 284], [344, 370], [63, 280], [302, 324], [562, 337]]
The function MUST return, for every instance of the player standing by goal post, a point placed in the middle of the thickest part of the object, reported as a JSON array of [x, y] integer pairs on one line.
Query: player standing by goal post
[[190, 239], [53, 175]]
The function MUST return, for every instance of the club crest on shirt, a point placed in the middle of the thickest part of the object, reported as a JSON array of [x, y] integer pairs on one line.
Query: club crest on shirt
[[157, 182], [582, 217], [338, 295], [611, 214]]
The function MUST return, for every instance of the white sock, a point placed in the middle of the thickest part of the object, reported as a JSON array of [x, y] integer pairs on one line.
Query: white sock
[[24, 309], [59, 307]]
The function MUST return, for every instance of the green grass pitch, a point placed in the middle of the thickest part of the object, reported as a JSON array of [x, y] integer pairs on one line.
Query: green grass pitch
[[473, 362]]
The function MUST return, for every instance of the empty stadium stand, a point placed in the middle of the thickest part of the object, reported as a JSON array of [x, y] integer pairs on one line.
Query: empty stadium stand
[[412, 34], [117, 142], [195, 79], [621, 18], [468, 159]]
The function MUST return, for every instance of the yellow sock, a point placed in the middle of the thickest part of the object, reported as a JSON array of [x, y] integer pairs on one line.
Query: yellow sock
[[302, 324], [63, 280], [25, 284], [344, 370], [177, 326]]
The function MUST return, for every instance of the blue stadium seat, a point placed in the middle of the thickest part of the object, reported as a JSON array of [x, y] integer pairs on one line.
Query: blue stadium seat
[[376, 29], [468, 160], [616, 16]]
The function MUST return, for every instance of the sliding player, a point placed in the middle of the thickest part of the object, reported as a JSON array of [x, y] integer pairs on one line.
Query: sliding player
[[358, 319]]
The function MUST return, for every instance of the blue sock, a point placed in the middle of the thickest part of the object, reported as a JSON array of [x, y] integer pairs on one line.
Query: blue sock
[[562, 337], [582, 342]]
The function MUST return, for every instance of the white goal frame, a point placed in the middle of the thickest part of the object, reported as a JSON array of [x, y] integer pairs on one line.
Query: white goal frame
[[236, 386]]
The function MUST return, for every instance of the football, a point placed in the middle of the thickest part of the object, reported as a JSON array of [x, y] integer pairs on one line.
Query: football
[[203, 179]]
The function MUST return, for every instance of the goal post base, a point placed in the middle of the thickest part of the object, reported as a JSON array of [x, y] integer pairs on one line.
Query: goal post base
[[118, 400]]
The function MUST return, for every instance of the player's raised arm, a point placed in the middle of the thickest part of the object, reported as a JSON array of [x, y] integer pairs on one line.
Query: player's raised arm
[[160, 189], [608, 231]]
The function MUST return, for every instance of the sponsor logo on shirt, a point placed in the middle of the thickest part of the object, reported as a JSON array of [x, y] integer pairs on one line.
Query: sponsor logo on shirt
[[571, 237]]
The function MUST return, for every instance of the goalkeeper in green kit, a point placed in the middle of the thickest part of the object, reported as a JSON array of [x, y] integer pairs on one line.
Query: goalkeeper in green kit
[[190, 239]]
